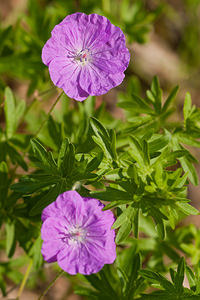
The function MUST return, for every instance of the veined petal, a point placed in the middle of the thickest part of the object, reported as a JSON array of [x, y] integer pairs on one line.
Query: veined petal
[[53, 229], [97, 82], [78, 260], [72, 206], [64, 74], [106, 253], [50, 249]]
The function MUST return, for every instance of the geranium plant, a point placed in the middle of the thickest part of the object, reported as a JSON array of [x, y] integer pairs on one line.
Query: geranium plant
[[99, 199]]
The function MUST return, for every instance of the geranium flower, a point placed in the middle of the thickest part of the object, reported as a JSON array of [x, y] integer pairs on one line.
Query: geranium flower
[[86, 55], [77, 234]]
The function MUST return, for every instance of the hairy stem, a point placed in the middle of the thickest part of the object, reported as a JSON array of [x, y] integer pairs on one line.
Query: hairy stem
[[50, 111], [51, 284]]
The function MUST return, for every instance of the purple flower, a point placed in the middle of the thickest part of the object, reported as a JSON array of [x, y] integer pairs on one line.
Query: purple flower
[[86, 55], [77, 234]]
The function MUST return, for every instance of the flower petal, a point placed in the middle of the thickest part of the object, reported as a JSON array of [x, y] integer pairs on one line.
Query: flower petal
[[104, 252], [78, 260], [50, 249], [97, 82], [64, 73], [53, 228]]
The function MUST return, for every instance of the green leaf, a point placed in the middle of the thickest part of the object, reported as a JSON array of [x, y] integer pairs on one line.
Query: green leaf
[[47, 199], [99, 129], [156, 277], [190, 170], [89, 105], [160, 228], [43, 156], [178, 280], [83, 291], [116, 203], [112, 194], [136, 151], [113, 144], [10, 115], [35, 253], [125, 216], [123, 232], [103, 139], [146, 153], [158, 143], [103, 146], [3, 182], [186, 164], [135, 263], [157, 92], [31, 184], [188, 140], [170, 99], [62, 153], [141, 104], [3, 151], [136, 223], [2, 286], [158, 217], [5, 34], [69, 161], [20, 110], [191, 277], [187, 208], [159, 174], [54, 132], [187, 106], [10, 238], [95, 162], [15, 157]]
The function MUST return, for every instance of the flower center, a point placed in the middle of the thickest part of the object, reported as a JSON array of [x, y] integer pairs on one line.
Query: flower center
[[75, 234], [83, 57]]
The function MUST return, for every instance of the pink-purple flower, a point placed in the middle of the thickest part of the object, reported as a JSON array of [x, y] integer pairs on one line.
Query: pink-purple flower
[[77, 234], [86, 55]]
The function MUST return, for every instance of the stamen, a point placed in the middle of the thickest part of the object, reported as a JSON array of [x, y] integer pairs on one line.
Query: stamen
[[83, 57], [75, 234]]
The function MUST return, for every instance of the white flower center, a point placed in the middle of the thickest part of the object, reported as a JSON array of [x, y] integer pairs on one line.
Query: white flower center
[[83, 57], [77, 235]]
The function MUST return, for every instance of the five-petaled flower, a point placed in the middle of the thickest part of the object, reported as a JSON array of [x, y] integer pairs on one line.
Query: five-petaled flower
[[77, 234], [86, 55]]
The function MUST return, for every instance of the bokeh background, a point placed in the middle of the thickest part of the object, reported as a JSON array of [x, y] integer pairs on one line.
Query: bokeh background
[[162, 36]]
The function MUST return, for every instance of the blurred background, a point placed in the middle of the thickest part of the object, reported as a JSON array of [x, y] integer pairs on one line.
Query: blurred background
[[162, 36]]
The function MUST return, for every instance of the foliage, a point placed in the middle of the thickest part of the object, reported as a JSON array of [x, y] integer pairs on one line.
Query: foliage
[[139, 166]]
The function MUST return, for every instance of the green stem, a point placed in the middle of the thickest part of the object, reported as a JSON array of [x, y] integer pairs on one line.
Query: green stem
[[50, 111], [34, 100], [46, 91], [51, 284], [24, 279]]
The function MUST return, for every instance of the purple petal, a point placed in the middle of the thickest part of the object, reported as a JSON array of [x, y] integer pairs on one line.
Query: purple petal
[[68, 205], [64, 74], [105, 253], [53, 228], [75, 260], [50, 249], [98, 82]]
